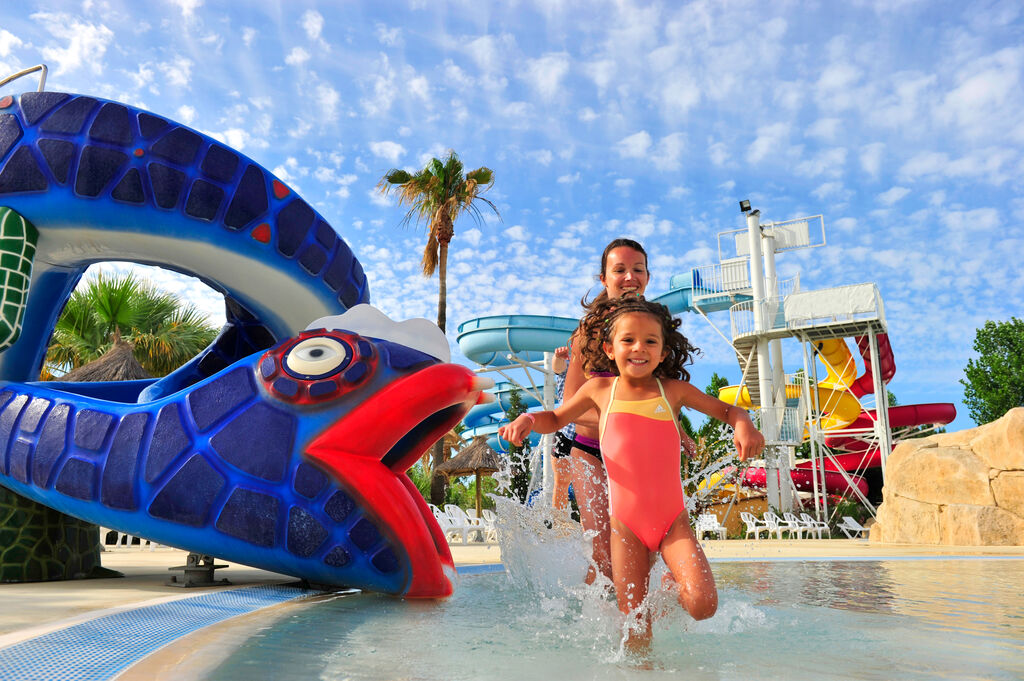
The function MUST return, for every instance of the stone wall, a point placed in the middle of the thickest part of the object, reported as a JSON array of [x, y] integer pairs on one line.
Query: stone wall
[[964, 488]]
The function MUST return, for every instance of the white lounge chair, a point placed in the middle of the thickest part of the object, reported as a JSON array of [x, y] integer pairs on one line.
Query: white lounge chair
[[778, 525], [490, 520], [753, 525], [800, 525], [470, 525], [849, 525], [708, 522], [451, 531], [113, 539], [818, 527]]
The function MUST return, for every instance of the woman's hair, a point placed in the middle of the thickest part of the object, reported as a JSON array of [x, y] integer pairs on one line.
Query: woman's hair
[[599, 326], [603, 295]]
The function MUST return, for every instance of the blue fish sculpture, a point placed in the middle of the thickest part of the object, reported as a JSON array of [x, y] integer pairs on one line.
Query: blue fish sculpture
[[279, 446], [292, 460]]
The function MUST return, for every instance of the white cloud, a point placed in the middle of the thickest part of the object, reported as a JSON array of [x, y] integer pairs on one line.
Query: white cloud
[[8, 41], [569, 179], [646, 225], [828, 162], [516, 233], [235, 138], [382, 90], [586, 114], [249, 35], [186, 114], [297, 57], [387, 150], [177, 72], [871, 158], [988, 98], [718, 152], [624, 183], [419, 86], [546, 73], [825, 129], [668, 150], [541, 156], [471, 237], [771, 139], [976, 220], [634, 146], [85, 43], [327, 100], [892, 196], [188, 7], [387, 36], [312, 23]]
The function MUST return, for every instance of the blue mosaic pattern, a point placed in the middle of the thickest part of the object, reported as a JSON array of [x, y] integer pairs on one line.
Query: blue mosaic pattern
[[101, 648]]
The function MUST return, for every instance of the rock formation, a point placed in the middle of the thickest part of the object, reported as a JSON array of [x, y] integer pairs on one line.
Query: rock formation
[[964, 488]]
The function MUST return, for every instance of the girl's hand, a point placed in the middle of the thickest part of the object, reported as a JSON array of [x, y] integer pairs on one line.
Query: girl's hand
[[516, 431], [748, 440]]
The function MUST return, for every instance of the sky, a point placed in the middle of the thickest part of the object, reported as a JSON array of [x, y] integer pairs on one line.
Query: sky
[[898, 121]]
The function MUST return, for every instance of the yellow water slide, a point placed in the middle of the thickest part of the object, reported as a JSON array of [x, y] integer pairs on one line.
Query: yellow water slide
[[838, 406]]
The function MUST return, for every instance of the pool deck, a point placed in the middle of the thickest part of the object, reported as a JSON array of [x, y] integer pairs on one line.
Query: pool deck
[[34, 609]]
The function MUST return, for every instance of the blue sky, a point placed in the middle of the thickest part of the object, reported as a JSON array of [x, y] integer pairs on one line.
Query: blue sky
[[899, 120]]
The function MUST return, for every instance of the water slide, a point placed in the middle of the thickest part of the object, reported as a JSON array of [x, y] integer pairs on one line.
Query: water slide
[[501, 340]]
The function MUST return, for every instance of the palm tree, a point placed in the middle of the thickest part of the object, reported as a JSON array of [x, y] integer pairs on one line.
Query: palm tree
[[439, 195], [113, 328], [109, 312]]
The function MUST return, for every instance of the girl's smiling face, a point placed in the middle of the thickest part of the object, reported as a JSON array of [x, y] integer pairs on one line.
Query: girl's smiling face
[[625, 272], [637, 346]]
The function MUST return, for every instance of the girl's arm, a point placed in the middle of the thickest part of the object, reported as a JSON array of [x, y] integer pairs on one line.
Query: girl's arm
[[550, 421], [575, 378], [748, 440]]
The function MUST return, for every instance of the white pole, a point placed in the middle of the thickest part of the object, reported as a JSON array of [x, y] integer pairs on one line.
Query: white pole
[[882, 430], [547, 443], [763, 356], [778, 377], [809, 414]]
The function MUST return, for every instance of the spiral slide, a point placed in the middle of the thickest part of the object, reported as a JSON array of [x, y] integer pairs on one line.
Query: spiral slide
[[499, 340], [484, 419]]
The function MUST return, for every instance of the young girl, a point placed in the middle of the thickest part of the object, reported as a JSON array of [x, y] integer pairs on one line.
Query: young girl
[[640, 441]]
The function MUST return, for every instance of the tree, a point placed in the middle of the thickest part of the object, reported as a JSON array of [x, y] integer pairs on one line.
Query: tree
[[110, 311], [439, 195], [995, 380], [518, 456]]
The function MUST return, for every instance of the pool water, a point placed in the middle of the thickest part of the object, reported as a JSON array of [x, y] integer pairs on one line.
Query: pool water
[[891, 619]]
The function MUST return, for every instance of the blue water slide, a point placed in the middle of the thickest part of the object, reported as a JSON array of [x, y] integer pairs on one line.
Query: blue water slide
[[679, 297], [484, 419], [490, 340]]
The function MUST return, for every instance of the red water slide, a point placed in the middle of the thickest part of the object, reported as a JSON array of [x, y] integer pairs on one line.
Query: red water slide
[[860, 451]]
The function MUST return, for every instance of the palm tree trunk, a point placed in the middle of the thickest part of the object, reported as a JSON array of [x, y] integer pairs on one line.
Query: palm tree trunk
[[442, 278]]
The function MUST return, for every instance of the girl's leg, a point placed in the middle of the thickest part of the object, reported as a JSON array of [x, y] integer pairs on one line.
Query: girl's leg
[[631, 568], [561, 466], [690, 569], [592, 499]]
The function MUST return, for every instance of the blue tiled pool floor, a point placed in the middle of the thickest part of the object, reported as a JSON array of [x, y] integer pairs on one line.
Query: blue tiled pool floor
[[100, 648]]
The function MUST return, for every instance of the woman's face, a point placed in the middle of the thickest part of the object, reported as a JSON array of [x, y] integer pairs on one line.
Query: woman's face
[[625, 272]]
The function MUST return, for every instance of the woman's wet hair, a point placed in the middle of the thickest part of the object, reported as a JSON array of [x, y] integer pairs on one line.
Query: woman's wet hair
[[599, 326], [628, 243]]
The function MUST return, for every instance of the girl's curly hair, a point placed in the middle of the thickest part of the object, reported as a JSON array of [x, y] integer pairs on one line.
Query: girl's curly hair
[[599, 327]]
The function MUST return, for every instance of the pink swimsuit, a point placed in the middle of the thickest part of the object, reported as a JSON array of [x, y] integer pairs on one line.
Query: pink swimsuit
[[640, 444]]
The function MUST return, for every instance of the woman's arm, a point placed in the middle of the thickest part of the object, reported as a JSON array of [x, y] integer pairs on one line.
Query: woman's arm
[[575, 379], [748, 440]]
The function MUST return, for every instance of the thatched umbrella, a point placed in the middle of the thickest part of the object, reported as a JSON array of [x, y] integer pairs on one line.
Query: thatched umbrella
[[476, 458], [117, 364]]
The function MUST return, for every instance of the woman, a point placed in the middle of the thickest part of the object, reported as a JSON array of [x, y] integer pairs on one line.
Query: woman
[[623, 273]]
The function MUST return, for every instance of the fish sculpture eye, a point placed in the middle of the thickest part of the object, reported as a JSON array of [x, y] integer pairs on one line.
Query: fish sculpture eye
[[317, 358], [317, 366]]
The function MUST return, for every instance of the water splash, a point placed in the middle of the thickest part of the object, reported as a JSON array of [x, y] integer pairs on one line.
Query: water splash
[[546, 556]]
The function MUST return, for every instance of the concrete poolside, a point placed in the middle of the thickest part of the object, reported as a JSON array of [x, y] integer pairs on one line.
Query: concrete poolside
[[33, 609]]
